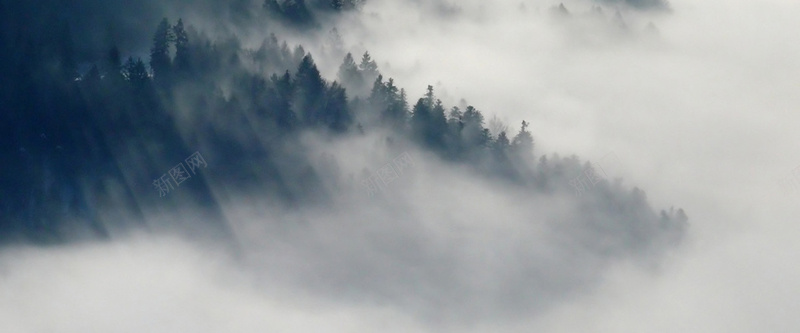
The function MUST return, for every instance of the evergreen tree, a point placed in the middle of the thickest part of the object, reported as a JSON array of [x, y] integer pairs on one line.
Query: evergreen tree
[[337, 116], [420, 117], [438, 123], [473, 134], [429, 97], [281, 97], [368, 67], [310, 91], [349, 75], [377, 96], [297, 12], [297, 55], [334, 45], [402, 103], [397, 109], [286, 56], [113, 60], [135, 71], [113, 66], [181, 47], [160, 61], [523, 141], [454, 117], [502, 143]]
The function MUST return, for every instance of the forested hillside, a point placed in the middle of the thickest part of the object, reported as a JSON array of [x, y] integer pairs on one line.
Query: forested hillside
[[80, 141]]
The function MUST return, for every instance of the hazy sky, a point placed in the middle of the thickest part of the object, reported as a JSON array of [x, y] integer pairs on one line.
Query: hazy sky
[[701, 114]]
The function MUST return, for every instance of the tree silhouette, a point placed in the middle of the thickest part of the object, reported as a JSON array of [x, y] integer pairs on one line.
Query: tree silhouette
[[336, 114], [349, 76], [368, 67], [297, 12], [181, 47], [160, 61], [523, 141], [135, 72], [113, 63], [310, 92], [59, 133]]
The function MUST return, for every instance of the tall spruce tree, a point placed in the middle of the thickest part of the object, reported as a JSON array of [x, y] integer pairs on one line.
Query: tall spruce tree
[[368, 68], [523, 141], [160, 61], [336, 114], [181, 47], [349, 76], [310, 91], [297, 12]]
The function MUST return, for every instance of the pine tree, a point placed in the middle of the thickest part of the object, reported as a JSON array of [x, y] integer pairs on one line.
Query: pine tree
[[181, 47], [135, 72], [473, 134], [402, 103], [420, 117], [502, 143], [368, 67], [523, 141], [395, 113], [297, 12], [349, 75], [297, 55], [337, 116], [454, 116], [160, 61], [113, 66], [334, 43], [438, 125], [286, 56], [429, 97], [282, 94], [377, 96], [310, 90]]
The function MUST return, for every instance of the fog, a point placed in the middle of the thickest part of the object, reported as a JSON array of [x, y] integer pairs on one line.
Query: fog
[[699, 112]]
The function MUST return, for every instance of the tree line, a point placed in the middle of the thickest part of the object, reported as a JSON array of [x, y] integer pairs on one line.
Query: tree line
[[76, 143]]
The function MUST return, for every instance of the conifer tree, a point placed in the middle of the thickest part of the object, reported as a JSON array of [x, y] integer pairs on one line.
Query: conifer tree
[[160, 61], [337, 115], [310, 91], [349, 76], [181, 47], [368, 67], [523, 141]]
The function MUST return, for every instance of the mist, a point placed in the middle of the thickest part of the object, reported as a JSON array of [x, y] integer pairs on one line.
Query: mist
[[699, 113], [692, 100]]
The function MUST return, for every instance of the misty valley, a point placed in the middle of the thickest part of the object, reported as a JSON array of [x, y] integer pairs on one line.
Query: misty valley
[[254, 157]]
